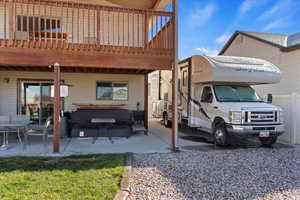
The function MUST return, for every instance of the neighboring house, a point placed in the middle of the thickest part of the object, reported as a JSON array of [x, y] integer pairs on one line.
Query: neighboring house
[[283, 51], [105, 50], [280, 49]]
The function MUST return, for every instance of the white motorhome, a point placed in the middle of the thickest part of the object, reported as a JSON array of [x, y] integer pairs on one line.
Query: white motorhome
[[216, 97]]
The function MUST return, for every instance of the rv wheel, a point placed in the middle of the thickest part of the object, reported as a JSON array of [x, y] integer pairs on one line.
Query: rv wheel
[[220, 135], [166, 120], [268, 142]]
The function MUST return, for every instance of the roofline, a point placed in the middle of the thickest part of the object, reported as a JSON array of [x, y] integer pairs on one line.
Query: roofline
[[185, 60], [291, 48], [282, 48]]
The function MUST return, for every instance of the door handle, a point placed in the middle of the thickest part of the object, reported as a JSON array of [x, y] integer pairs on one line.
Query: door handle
[[215, 107]]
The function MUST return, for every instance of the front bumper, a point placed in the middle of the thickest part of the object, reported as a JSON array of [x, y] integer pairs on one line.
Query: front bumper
[[254, 130]]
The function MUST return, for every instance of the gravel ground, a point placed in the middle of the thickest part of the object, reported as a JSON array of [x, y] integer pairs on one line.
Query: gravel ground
[[260, 174]]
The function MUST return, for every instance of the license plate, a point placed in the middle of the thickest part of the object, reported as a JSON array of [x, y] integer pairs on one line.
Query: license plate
[[264, 134]]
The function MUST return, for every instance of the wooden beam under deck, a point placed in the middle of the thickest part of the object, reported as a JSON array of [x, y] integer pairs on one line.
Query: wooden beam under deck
[[24, 57], [76, 70]]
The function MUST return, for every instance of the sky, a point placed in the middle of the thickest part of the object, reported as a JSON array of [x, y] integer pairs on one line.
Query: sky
[[206, 25]]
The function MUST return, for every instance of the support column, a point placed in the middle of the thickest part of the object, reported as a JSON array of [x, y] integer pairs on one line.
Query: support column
[[56, 130], [146, 102], [175, 79]]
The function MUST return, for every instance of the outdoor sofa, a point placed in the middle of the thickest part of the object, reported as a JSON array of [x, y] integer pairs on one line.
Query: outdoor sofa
[[112, 123]]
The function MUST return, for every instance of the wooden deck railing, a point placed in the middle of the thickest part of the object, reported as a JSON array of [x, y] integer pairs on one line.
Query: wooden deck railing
[[69, 25]]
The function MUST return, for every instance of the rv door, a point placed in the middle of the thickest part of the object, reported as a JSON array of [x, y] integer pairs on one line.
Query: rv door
[[206, 108]]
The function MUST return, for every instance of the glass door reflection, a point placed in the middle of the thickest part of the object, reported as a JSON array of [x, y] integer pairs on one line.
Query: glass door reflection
[[36, 101]]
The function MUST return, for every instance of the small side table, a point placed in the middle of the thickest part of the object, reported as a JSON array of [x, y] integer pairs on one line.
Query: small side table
[[105, 122]]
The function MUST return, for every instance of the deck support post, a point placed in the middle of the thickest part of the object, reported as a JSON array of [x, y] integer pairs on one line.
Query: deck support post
[[11, 21], [146, 101], [56, 117], [175, 78]]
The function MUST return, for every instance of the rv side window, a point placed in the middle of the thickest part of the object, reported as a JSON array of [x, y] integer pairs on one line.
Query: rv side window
[[207, 96]]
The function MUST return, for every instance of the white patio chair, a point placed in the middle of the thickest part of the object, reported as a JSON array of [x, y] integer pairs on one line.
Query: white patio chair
[[18, 119], [4, 130], [38, 130]]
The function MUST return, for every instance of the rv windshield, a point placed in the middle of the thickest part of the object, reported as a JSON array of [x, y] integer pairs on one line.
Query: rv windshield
[[225, 93]]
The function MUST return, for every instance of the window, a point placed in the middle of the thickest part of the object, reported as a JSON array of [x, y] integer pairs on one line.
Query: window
[[227, 93], [207, 95], [37, 24], [112, 91]]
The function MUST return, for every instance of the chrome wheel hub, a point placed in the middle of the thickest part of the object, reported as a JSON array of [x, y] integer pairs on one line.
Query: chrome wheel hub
[[219, 135]]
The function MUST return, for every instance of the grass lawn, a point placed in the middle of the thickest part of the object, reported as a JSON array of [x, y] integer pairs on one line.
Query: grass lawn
[[79, 177]]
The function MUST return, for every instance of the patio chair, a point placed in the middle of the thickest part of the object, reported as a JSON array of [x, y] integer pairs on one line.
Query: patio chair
[[4, 130], [19, 119], [38, 130]]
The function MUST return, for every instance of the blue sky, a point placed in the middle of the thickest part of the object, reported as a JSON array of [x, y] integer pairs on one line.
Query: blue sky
[[206, 25]]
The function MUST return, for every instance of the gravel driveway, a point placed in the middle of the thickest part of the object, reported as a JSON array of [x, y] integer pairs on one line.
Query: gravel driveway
[[261, 174]]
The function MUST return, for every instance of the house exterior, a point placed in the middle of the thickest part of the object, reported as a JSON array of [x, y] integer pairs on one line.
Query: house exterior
[[103, 50], [283, 51]]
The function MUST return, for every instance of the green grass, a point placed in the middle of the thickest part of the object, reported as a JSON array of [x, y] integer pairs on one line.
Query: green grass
[[81, 177]]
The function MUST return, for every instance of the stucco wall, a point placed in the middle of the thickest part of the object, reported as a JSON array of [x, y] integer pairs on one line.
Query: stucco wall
[[83, 89], [289, 63]]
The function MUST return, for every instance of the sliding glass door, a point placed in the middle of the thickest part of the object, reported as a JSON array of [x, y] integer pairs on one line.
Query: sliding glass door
[[36, 101]]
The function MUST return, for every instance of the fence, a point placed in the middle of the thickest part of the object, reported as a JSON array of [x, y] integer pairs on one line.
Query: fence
[[291, 113]]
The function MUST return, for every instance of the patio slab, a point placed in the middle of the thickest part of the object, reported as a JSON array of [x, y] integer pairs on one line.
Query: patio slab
[[80, 146], [157, 141]]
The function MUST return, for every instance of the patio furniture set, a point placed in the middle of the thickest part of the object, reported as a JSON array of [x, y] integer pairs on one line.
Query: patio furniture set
[[93, 123], [21, 124], [106, 123]]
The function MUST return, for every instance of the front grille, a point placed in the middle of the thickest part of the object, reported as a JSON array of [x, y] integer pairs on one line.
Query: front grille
[[261, 117], [264, 128]]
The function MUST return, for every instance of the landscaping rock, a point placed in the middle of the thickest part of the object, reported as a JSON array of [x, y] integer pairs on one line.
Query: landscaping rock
[[258, 173]]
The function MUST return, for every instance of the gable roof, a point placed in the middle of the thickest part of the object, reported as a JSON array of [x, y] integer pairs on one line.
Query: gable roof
[[282, 41]]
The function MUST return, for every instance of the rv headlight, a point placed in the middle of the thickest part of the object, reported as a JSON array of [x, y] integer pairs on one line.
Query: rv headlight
[[235, 116]]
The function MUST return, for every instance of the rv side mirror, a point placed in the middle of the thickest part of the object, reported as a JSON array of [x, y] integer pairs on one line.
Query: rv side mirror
[[270, 98]]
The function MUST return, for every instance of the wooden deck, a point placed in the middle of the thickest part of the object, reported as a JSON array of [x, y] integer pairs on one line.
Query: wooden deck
[[83, 35]]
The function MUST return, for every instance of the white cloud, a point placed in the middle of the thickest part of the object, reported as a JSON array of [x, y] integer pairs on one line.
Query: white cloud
[[202, 15], [281, 7], [280, 23], [247, 5], [207, 51], [222, 39]]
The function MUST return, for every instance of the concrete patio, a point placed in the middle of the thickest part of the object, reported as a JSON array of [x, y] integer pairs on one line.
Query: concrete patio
[[158, 140]]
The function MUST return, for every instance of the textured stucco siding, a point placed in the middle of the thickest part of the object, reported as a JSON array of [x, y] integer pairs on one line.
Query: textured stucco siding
[[83, 90]]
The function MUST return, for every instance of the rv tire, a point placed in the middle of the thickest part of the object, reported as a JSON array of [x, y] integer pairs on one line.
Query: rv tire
[[220, 135]]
